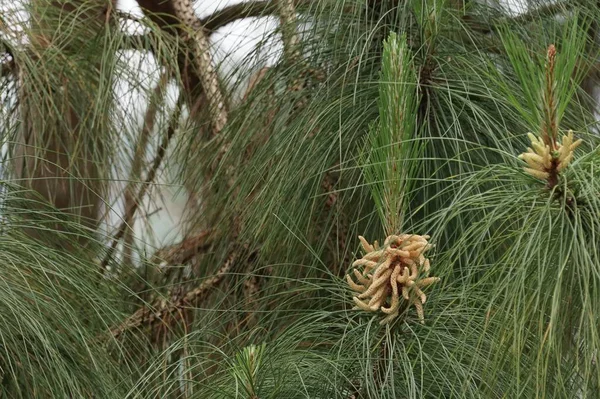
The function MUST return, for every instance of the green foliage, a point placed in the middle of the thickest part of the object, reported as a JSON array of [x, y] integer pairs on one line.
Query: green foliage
[[392, 143], [402, 117], [55, 306], [528, 61]]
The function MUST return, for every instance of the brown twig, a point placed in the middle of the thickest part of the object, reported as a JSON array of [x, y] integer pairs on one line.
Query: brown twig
[[200, 80], [150, 315], [160, 154], [239, 11], [154, 104], [182, 252], [7, 66]]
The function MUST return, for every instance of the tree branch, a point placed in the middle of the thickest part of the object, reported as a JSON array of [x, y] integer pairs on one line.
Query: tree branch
[[213, 22], [239, 11], [7, 66], [262, 8], [205, 71], [289, 33], [130, 213], [159, 311], [182, 252], [154, 103]]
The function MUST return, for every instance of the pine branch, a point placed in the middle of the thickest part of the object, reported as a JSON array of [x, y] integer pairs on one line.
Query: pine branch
[[139, 155], [205, 69], [200, 81], [210, 24], [159, 311], [8, 64], [239, 11], [289, 33], [130, 213], [182, 252]]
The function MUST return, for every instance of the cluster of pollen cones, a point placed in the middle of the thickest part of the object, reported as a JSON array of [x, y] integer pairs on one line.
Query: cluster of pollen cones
[[398, 268], [542, 160]]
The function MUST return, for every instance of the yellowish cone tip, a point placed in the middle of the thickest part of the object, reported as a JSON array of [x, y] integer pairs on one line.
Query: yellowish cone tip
[[540, 159], [396, 272]]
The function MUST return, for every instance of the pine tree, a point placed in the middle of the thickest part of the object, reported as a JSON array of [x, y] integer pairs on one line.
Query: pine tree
[[405, 204]]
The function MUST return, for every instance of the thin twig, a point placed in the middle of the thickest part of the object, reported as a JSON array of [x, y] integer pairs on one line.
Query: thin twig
[[182, 252], [160, 154], [149, 315], [154, 104]]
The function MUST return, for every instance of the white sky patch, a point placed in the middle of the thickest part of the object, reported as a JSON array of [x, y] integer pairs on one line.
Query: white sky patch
[[515, 7]]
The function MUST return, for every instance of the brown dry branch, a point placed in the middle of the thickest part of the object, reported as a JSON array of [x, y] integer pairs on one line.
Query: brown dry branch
[[239, 11], [182, 252], [289, 33], [184, 11], [130, 212], [163, 13], [199, 77], [220, 18], [160, 311]]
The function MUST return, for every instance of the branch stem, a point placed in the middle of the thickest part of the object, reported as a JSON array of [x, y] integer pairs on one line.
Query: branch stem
[[134, 206]]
